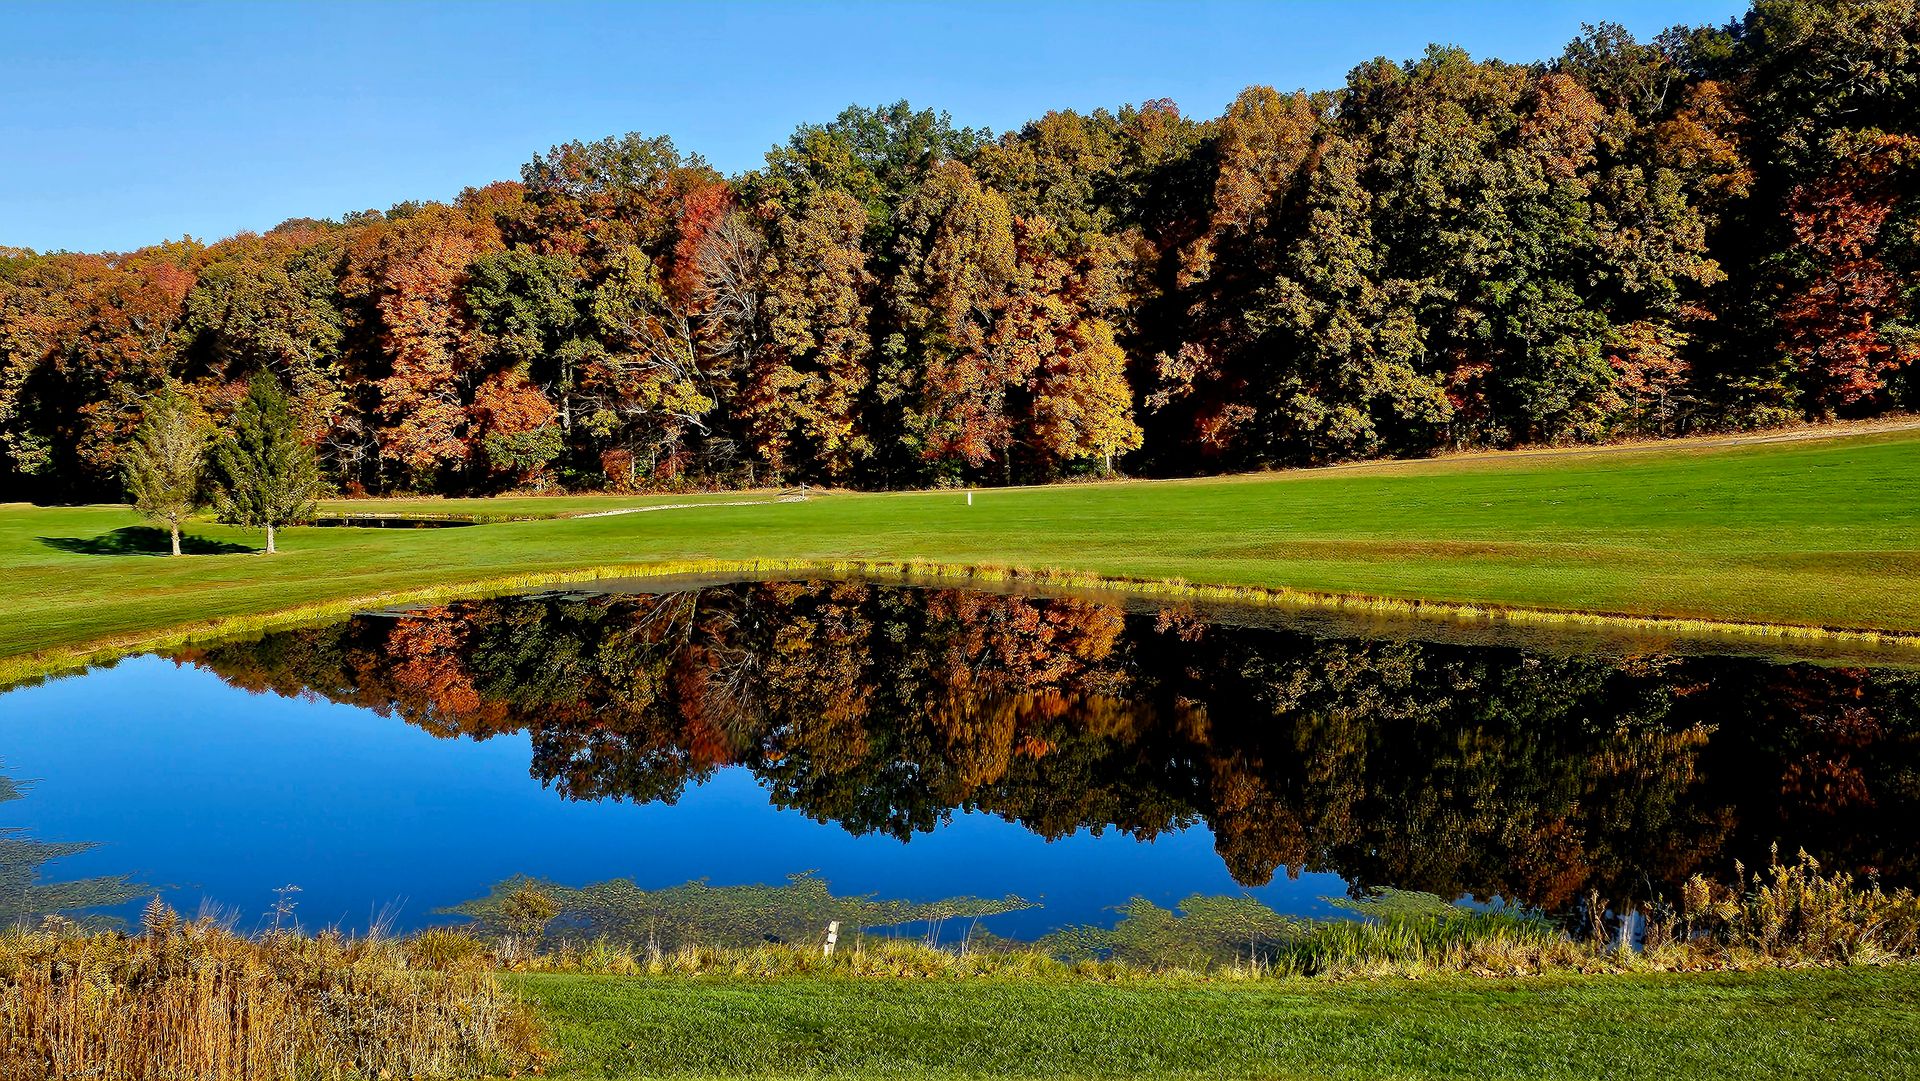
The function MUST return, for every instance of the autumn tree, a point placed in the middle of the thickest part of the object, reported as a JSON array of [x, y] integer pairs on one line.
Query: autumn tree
[[1212, 390], [273, 303], [36, 299], [635, 379], [405, 277], [940, 383], [1851, 324], [1812, 85], [165, 463], [1074, 402], [880, 156], [803, 382], [518, 429], [86, 339], [264, 475]]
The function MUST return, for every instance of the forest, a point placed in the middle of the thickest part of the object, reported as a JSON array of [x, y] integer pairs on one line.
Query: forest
[[1715, 229]]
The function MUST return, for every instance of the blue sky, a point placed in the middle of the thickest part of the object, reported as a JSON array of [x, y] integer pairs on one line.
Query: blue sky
[[128, 124]]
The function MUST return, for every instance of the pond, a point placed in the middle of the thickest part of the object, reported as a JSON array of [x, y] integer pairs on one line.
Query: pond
[[922, 742]]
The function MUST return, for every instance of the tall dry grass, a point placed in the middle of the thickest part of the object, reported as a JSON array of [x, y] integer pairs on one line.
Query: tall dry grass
[[190, 1000], [1789, 913], [185, 1000]]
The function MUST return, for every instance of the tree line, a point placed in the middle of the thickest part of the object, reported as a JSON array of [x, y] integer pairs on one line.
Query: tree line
[[1717, 228]]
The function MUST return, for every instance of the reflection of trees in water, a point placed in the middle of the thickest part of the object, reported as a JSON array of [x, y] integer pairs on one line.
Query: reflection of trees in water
[[26, 896], [1447, 768]]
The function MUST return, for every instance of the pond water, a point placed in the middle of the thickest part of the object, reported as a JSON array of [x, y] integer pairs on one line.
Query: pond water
[[920, 742]]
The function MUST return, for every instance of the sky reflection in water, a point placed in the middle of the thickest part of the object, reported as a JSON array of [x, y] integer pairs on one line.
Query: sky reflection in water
[[814, 726], [225, 794]]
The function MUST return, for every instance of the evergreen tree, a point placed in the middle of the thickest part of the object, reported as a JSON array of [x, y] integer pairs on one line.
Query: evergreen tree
[[163, 465], [264, 475]]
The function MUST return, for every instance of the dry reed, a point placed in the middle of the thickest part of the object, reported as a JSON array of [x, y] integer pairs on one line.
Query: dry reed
[[186, 1000]]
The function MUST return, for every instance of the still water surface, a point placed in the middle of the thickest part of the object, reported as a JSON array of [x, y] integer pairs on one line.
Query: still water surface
[[924, 742]]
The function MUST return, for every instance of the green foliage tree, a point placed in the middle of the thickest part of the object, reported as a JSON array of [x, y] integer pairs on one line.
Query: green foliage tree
[[167, 459], [264, 475]]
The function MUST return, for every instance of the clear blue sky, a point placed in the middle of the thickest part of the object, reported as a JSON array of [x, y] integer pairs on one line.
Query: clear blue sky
[[128, 124]]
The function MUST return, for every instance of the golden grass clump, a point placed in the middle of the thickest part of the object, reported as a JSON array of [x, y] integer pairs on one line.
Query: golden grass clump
[[1791, 913], [188, 999]]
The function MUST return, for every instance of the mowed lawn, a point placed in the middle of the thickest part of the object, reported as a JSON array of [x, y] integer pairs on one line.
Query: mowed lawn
[[1823, 531], [1830, 1025]]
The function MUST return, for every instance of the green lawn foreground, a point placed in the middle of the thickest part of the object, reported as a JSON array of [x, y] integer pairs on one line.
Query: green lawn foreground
[[1823, 532], [1825, 1024]]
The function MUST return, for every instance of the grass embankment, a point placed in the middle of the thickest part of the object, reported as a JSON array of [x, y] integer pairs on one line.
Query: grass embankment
[[1830, 1024], [1814, 976], [1820, 532]]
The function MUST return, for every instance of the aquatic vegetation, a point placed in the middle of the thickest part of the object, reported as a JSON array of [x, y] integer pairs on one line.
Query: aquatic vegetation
[[1396, 931], [697, 915], [1792, 914], [26, 893]]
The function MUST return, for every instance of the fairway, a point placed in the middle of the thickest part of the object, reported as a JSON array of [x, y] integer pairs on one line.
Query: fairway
[[1851, 1023], [1815, 532]]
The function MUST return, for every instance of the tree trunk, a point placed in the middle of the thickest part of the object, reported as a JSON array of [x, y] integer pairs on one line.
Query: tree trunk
[[270, 547], [174, 528]]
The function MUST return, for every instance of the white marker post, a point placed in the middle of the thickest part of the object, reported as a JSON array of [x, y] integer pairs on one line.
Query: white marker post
[[833, 936], [969, 497]]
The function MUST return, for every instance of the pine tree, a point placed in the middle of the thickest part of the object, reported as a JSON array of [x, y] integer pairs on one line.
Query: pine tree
[[264, 475], [164, 462]]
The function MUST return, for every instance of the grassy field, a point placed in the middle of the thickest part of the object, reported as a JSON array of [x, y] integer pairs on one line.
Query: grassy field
[[1817, 532], [1827, 1024]]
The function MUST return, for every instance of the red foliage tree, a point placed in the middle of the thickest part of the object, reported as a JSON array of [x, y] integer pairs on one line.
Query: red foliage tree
[[1836, 323]]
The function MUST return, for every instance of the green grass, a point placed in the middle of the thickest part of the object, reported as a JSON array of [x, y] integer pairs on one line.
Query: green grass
[[1827, 1024], [528, 506], [1819, 532]]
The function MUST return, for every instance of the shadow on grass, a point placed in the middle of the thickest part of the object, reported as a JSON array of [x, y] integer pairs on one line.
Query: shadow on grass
[[143, 540]]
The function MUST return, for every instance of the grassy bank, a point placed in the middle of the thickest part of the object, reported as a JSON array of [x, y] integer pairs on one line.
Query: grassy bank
[[1795, 974], [1813, 533], [1833, 1024]]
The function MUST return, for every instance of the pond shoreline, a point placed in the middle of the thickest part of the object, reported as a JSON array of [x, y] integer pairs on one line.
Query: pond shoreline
[[1900, 647]]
